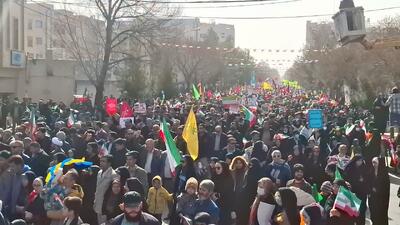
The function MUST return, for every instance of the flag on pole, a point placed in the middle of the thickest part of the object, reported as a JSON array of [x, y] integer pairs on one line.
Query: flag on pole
[[249, 116], [348, 202], [103, 150], [174, 157], [190, 135], [266, 86], [196, 94], [71, 120], [162, 97], [338, 175], [33, 125]]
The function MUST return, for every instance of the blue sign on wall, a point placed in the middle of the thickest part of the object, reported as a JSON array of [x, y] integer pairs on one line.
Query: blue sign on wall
[[17, 58], [315, 118]]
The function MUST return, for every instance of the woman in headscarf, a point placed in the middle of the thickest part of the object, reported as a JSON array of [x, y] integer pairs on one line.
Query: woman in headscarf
[[239, 169], [88, 181], [183, 172], [254, 174], [296, 158], [380, 113], [223, 191], [264, 206], [35, 212], [372, 148], [112, 199], [378, 200], [356, 174], [259, 152], [286, 199]]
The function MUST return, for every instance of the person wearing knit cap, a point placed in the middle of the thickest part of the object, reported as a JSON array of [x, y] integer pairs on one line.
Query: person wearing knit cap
[[326, 191], [299, 180], [186, 201]]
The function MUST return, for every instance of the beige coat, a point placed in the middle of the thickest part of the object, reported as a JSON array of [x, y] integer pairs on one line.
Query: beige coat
[[103, 183]]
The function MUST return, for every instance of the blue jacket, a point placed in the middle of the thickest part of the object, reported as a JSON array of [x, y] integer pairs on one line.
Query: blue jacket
[[276, 171], [209, 207]]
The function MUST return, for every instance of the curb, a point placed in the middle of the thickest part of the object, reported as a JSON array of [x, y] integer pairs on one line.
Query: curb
[[394, 179]]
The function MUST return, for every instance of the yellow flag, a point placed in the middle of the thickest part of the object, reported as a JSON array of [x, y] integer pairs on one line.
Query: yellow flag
[[190, 135], [266, 86]]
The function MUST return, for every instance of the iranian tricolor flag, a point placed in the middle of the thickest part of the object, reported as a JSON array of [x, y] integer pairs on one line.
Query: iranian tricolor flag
[[348, 202], [33, 125], [249, 116], [71, 120], [174, 157]]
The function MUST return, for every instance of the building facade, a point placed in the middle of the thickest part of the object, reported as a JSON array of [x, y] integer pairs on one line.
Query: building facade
[[12, 47]]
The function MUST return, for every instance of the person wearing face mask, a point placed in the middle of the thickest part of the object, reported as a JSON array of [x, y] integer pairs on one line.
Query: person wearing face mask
[[264, 206], [132, 212], [356, 173], [278, 171]]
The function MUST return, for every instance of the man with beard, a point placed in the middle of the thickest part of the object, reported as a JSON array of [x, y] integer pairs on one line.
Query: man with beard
[[299, 180], [133, 214], [205, 203]]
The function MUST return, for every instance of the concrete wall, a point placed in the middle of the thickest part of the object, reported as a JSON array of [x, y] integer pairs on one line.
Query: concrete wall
[[48, 80]]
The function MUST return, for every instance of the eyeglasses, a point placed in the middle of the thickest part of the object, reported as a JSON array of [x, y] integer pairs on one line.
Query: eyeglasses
[[218, 168], [15, 146]]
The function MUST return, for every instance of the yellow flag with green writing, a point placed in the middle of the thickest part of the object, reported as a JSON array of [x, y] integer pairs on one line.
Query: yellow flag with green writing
[[190, 135]]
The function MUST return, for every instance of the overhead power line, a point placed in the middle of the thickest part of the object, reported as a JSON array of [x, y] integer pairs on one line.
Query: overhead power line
[[250, 4], [277, 17]]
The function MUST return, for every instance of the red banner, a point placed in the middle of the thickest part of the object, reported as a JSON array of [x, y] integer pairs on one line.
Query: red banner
[[126, 110], [111, 106]]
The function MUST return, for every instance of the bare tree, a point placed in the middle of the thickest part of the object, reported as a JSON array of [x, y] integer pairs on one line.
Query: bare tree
[[125, 30]]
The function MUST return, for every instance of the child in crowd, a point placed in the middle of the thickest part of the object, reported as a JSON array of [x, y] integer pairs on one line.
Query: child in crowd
[[158, 198], [185, 201]]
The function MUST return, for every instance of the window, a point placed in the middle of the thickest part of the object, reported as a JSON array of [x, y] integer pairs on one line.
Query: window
[[38, 24], [30, 22], [15, 37], [30, 41], [39, 41]]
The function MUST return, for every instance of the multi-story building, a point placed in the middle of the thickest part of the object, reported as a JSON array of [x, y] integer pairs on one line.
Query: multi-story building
[[195, 31], [38, 29], [12, 48]]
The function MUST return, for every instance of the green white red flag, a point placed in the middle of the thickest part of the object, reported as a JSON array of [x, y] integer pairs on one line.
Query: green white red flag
[[71, 120], [348, 202], [174, 157], [249, 116]]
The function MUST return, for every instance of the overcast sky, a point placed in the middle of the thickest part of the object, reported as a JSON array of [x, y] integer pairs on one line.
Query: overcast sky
[[278, 33], [284, 33]]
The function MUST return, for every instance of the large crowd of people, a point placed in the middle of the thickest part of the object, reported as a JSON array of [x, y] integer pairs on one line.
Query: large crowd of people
[[276, 172]]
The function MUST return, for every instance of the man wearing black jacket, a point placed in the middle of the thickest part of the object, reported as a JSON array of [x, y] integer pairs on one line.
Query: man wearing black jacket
[[132, 208]]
